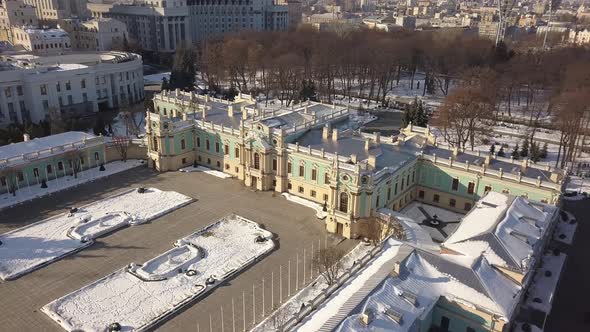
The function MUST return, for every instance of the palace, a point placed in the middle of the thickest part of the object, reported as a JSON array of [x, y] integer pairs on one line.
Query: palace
[[315, 151]]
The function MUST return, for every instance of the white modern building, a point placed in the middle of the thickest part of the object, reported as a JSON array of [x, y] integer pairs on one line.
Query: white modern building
[[579, 37], [41, 41], [99, 34], [161, 25], [32, 86]]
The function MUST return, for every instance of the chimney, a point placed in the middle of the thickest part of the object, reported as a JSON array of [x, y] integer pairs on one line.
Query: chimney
[[192, 95], [377, 137], [26, 137], [372, 160], [204, 112], [244, 114], [230, 110], [367, 144], [177, 92], [353, 158], [326, 132], [335, 135]]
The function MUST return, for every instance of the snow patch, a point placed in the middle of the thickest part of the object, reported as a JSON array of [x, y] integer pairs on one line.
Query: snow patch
[[206, 171], [139, 296], [319, 209], [33, 191], [31, 247]]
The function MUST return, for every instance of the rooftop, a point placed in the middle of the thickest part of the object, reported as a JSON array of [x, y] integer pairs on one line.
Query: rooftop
[[504, 228], [41, 144]]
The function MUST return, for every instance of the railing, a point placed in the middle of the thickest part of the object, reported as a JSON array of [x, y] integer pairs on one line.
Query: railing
[[330, 290], [491, 172]]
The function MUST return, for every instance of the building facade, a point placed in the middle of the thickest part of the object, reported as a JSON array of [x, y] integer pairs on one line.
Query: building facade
[[313, 151], [161, 25], [51, 11], [99, 34], [16, 13], [41, 41], [31, 87], [28, 164]]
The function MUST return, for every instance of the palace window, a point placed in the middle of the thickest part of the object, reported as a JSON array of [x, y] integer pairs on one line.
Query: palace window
[[96, 156], [436, 198], [377, 201], [467, 206], [301, 190], [487, 189], [301, 170], [388, 193], [217, 147], [289, 168], [256, 160], [226, 149], [325, 197], [313, 193], [343, 207], [182, 144], [452, 202], [155, 144], [237, 152], [314, 174], [207, 145], [455, 185], [274, 164], [36, 172], [326, 178], [470, 188], [421, 194], [395, 190]]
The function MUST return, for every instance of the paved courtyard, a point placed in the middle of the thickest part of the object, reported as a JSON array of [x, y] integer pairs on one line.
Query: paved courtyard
[[295, 226], [439, 223]]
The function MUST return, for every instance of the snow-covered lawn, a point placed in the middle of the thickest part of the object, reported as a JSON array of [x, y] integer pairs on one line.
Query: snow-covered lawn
[[206, 171], [319, 208], [307, 294], [35, 191], [545, 282], [139, 296], [46, 241], [577, 184]]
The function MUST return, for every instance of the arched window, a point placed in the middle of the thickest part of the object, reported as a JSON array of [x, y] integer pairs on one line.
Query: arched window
[[344, 202], [256, 161]]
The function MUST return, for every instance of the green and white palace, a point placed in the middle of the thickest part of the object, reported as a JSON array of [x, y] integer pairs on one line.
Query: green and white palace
[[315, 151]]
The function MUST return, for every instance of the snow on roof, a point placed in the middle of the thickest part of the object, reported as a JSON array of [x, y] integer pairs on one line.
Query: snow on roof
[[504, 228], [338, 307], [43, 143], [482, 218], [414, 233], [422, 281]]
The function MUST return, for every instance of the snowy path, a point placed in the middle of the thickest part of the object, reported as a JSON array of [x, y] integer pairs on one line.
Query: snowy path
[[319, 209], [33, 246], [206, 171], [61, 183], [176, 278]]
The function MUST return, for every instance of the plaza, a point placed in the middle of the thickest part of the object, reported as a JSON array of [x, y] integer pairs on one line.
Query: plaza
[[294, 226]]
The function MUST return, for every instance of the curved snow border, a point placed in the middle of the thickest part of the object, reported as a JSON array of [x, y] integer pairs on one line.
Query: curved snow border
[[174, 308], [10, 276]]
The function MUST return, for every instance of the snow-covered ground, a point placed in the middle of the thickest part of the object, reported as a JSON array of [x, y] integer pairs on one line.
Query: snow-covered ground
[[319, 209], [46, 241], [156, 78], [33, 191], [577, 184], [307, 294], [542, 290], [206, 171], [139, 296]]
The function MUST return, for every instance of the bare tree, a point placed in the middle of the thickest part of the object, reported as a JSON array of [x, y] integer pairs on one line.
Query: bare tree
[[329, 262], [121, 144]]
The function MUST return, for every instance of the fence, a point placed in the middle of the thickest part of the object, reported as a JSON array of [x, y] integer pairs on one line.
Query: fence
[[244, 309]]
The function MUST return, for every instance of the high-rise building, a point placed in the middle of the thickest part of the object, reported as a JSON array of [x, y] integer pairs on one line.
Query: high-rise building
[[161, 25], [55, 10]]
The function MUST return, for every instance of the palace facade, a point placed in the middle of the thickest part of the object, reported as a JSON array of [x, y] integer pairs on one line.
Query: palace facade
[[315, 151]]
